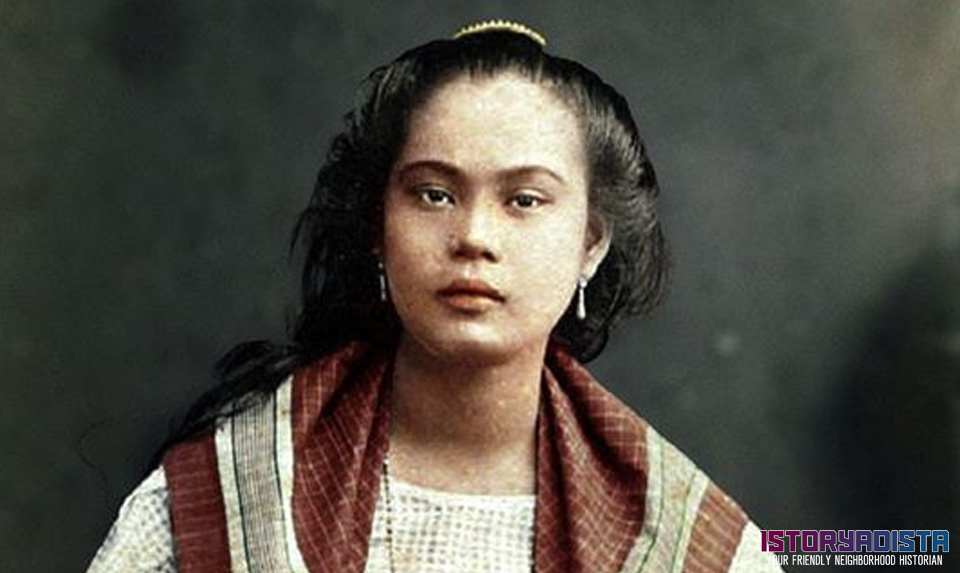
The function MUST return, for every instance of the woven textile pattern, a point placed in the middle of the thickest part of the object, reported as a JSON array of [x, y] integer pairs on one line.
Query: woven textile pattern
[[439, 532], [293, 484], [140, 539]]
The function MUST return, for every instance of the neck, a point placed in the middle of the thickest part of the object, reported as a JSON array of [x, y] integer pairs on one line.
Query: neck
[[467, 428]]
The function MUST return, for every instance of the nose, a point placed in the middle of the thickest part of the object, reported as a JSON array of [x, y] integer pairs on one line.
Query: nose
[[476, 234]]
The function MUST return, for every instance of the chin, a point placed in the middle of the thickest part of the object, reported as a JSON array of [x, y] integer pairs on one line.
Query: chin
[[474, 349]]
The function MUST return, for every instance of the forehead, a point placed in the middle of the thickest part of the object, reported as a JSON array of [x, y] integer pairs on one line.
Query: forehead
[[480, 121]]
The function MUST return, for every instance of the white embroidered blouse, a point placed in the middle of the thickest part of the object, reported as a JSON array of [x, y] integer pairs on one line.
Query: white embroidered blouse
[[433, 532]]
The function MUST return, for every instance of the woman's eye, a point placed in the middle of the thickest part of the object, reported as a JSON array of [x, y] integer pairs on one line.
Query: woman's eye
[[436, 196], [526, 201]]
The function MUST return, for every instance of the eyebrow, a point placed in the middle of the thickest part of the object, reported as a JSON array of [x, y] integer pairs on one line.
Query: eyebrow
[[450, 170]]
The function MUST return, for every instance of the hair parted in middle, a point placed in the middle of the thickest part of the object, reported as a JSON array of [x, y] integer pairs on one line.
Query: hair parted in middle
[[342, 227]]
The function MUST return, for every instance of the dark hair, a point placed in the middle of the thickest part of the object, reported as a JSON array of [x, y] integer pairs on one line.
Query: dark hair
[[341, 226]]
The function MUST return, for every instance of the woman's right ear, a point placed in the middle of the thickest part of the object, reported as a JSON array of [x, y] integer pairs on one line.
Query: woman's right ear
[[599, 235]]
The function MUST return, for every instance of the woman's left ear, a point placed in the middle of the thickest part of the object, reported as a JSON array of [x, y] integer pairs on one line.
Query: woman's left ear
[[599, 235]]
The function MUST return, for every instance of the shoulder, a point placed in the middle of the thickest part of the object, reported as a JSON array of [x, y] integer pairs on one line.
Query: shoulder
[[690, 522], [749, 558], [140, 538]]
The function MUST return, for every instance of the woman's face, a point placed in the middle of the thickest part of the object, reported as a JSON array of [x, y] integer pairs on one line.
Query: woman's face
[[485, 220]]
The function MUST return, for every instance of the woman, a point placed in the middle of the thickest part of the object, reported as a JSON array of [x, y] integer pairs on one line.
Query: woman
[[485, 218]]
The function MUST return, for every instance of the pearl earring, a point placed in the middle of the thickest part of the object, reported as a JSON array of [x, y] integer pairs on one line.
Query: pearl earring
[[582, 297], [382, 277]]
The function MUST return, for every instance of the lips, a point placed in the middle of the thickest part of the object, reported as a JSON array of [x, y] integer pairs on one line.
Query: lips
[[470, 293]]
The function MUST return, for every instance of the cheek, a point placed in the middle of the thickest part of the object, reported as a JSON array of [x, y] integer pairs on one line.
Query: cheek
[[409, 254], [553, 261], [413, 238], [398, 241], [390, 220], [565, 243]]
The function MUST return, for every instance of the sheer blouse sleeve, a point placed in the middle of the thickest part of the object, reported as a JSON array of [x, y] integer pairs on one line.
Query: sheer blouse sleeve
[[140, 540]]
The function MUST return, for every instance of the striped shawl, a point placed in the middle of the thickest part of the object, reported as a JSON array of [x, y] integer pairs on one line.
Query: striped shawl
[[290, 483]]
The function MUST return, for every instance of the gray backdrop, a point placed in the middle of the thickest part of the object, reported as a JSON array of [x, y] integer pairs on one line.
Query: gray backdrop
[[154, 154]]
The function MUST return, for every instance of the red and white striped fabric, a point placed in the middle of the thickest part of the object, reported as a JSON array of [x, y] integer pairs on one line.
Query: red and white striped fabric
[[290, 483]]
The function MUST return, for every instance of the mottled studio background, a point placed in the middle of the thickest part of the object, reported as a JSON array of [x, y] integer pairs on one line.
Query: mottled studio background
[[154, 154]]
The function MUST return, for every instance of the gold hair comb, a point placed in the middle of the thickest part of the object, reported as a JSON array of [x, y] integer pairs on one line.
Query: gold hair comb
[[502, 26]]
